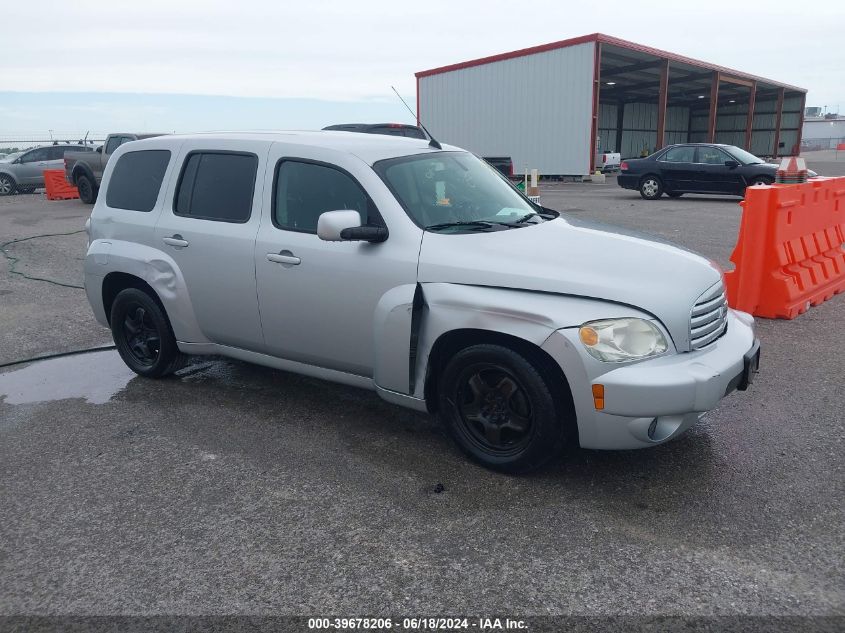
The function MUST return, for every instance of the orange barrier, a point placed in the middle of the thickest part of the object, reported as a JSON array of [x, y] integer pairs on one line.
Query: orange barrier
[[790, 253], [57, 187]]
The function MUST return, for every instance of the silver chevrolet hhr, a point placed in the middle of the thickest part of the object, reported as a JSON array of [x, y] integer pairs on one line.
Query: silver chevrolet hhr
[[417, 271]]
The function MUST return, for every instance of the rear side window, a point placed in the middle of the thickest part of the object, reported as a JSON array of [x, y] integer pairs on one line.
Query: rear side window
[[682, 154], [305, 190], [217, 186], [136, 180]]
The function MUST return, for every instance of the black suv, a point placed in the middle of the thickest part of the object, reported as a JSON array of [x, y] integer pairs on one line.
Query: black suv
[[393, 129]]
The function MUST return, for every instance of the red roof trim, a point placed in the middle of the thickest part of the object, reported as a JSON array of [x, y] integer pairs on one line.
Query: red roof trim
[[605, 39], [503, 56]]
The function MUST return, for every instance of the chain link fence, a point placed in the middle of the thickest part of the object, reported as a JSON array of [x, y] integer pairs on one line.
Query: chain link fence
[[18, 142], [816, 144]]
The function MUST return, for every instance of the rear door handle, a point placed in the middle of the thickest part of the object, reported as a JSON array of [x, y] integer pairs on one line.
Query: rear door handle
[[285, 257], [176, 240]]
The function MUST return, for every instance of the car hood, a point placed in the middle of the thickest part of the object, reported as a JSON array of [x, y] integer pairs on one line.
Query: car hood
[[585, 259]]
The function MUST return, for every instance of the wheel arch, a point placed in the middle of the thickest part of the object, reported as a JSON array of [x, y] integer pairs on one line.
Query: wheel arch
[[453, 341], [83, 168], [115, 282]]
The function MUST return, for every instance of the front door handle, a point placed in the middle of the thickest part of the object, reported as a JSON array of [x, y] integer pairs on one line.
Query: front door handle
[[176, 240], [284, 257]]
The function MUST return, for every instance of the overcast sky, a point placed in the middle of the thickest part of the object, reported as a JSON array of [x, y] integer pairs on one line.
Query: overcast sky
[[334, 58]]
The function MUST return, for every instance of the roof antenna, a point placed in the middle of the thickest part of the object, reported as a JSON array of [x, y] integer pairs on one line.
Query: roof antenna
[[432, 141]]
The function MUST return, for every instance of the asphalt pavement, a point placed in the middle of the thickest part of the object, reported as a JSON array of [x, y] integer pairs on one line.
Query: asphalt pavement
[[235, 489]]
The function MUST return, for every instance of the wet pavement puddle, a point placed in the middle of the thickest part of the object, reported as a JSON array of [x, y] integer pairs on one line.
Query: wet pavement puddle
[[95, 377]]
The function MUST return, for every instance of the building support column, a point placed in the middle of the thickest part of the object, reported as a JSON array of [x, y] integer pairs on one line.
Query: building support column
[[714, 105], [778, 117], [662, 101], [801, 125], [620, 124], [749, 122], [596, 95]]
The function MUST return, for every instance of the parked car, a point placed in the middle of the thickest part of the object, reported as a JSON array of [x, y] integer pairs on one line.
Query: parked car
[[502, 164], [696, 168], [415, 272], [23, 172], [84, 170], [608, 161], [391, 129]]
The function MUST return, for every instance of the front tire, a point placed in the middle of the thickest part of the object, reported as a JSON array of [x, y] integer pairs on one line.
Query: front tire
[[87, 190], [143, 336], [7, 185], [651, 187], [500, 410]]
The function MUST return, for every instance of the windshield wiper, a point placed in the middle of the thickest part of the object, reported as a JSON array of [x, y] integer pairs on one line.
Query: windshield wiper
[[525, 217], [474, 223]]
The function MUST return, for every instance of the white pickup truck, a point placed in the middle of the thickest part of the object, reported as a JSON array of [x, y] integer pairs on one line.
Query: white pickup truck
[[608, 161]]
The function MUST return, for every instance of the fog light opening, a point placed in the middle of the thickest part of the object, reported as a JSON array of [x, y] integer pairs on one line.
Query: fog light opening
[[652, 428]]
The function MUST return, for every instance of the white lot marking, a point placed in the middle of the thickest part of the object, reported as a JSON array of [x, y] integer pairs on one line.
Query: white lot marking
[[95, 377]]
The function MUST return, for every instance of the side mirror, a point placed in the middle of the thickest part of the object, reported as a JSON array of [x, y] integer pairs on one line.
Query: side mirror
[[732, 164], [99, 150], [345, 226]]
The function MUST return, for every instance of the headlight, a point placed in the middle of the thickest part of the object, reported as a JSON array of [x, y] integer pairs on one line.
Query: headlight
[[617, 340]]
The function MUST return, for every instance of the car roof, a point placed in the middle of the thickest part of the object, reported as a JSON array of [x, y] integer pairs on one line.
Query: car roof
[[338, 126], [700, 145], [368, 147]]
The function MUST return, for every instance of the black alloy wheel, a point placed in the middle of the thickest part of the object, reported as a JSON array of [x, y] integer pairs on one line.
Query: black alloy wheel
[[505, 410], [495, 412], [143, 336], [87, 192]]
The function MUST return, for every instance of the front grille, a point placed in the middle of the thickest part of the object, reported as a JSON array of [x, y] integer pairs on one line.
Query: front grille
[[709, 317]]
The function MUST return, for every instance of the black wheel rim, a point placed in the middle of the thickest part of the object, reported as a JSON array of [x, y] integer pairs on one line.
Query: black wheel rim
[[83, 188], [143, 340], [493, 409]]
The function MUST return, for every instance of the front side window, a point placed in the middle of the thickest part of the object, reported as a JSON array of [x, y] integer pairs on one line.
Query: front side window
[[745, 158], [684, 154], [712, 156], [113, 143], [217, 186], [451, 190], [303, 191], [136, 180]]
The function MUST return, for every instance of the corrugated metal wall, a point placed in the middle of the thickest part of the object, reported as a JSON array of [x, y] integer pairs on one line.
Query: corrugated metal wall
[[536, 109], [639, 127]]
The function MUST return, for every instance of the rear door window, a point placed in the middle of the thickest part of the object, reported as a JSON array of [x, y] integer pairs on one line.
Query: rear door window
[[684, 154], [136, 180], [217, 186]]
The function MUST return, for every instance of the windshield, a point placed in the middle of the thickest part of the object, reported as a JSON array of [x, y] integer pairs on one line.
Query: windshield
[[746, 158], [10, 157], [456, 191]]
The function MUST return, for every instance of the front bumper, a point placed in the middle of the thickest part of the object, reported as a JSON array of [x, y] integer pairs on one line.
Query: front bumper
[[650, 402]]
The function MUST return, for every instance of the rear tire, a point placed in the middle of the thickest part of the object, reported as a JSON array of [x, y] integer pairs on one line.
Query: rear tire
[[651, 187], [143, 336], [87, 189], [500, 410], [7, 185]]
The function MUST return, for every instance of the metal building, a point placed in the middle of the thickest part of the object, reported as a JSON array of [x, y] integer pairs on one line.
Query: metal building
[[546, 107]]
